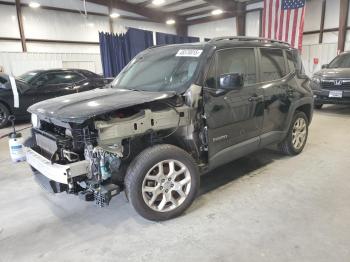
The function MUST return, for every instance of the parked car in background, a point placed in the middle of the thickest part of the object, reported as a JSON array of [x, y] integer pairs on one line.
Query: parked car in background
[[39, 85], [331, 85], [173, 113]]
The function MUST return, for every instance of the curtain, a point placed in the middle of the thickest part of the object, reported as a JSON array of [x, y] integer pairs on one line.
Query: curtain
[[166, 39], [118, 50]]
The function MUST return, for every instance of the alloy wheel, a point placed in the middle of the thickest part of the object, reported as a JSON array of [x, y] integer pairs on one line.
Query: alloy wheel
[[166, 185], [299, 133]]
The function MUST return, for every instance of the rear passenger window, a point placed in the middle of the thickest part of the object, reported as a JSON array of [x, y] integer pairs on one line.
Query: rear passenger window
[[290, 60], [295, 63], [238, 60], [272, 64]]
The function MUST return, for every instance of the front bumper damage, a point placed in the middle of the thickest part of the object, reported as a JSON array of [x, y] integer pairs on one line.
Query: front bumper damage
[[57, 178], [59, 173]]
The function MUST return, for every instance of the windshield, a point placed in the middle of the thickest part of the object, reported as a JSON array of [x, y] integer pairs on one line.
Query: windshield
[[342, 61], [160, 69], [26, 77]]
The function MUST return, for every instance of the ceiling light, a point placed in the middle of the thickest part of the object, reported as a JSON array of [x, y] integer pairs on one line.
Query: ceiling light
[[217, 12], [114, 15], [158, 2], [34, 5], [170, 22]]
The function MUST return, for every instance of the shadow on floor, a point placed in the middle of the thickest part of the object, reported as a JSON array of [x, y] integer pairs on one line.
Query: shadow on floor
[[237, 169], [343, 110]]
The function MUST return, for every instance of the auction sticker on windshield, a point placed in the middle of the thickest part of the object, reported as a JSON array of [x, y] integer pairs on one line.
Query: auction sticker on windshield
[[189, 52]]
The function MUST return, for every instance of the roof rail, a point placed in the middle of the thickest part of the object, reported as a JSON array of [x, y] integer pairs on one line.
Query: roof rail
[[244, 38]]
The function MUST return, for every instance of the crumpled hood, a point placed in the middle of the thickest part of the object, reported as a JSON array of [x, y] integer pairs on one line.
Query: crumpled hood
[[334, 73], [81, 106]]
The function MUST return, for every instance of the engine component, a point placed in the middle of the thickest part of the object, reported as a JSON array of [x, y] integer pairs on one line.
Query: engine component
[[102, 163], [116, 129], [70, 156]]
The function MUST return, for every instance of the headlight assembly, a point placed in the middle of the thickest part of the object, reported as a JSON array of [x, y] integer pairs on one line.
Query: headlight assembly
[[316, 80], [35, 121]]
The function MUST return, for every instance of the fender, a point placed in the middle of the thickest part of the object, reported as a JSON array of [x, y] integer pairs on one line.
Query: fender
[[301, 102]]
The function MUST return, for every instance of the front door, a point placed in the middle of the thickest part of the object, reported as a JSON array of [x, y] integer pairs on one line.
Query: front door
[[234, 117]]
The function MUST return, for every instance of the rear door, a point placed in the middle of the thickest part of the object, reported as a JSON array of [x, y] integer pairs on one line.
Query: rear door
[[277, 85], [233, 116]]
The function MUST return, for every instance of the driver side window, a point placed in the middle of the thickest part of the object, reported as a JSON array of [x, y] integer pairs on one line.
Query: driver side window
[[238, 60]]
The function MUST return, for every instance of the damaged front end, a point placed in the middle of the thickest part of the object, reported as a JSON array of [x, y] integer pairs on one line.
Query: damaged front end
[[90, 158]]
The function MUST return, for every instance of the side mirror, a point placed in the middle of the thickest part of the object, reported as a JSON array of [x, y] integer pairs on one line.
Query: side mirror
[[231, 81], [324, 66]]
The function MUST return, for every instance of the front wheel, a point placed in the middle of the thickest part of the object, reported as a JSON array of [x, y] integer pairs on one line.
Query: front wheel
[[162, 182], [297, 135]]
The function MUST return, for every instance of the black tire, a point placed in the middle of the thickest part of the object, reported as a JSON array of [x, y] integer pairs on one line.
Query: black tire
[[318, 106], [4, 115], [286, 146], [142, 164]]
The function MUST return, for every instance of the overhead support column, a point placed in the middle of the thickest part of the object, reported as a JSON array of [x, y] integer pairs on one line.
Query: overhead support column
[[20, 25], [240, 19], [343, 20], [182, 29], [323, 14]]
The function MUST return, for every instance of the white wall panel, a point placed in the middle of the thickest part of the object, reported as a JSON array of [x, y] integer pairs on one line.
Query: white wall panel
[[224, 27], [18, 63], [62, 48], [310, 39], [332, 14], [324, 52], [47, 24], [120, 26], [256, 5], [252, 23], [330, 37], [313, 12], [8, 22], [10, 46]]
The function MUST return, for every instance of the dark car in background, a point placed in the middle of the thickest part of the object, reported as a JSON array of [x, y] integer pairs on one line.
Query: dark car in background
[[331, 85], [39, 85]]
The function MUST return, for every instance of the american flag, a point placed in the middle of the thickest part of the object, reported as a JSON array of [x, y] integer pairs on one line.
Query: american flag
[[284, 20]]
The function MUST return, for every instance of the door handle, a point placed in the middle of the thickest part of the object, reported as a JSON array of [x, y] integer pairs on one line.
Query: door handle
[[255, 98]]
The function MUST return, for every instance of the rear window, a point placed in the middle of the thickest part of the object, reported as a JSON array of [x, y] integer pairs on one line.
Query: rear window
[[273, 66], [295, 63]]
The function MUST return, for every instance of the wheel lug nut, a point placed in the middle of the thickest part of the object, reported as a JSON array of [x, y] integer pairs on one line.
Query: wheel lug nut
[[172, 185], [169, 179], [166, 190], [161, 187]]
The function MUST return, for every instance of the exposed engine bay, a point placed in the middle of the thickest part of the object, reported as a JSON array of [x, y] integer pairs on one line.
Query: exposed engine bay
[[107, 143]]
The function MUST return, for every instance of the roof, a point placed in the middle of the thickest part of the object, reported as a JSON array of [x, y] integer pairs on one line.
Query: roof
[[235, 41]]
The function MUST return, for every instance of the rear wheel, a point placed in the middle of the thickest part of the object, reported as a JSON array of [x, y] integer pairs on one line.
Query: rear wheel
[[296, 139], [4, 115], [162, 182]]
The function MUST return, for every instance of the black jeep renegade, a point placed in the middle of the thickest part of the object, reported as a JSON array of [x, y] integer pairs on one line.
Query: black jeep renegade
[[174, 113]]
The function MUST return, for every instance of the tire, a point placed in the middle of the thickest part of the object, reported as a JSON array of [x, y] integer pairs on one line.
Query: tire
[[4, 115], [147, 187], [287, 146], [318, 106]]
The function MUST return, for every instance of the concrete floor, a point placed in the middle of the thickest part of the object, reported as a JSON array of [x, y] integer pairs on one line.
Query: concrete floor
[[264, 207]]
